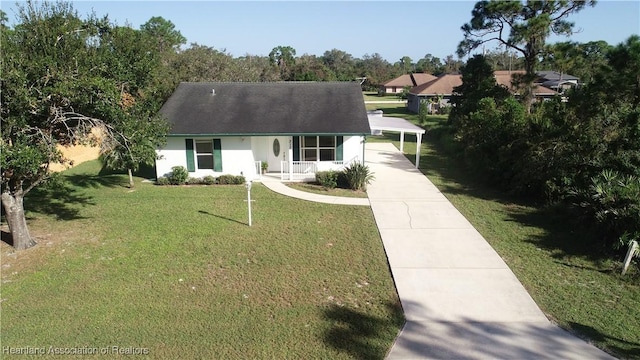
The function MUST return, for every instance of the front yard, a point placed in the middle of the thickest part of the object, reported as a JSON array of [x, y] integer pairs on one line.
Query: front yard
[[177, 271]]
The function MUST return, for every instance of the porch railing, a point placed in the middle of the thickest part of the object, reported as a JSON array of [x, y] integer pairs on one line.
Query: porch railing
[[306, 170]]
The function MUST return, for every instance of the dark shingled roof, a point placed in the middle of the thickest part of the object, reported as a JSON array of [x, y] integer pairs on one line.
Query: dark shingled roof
[[287, 108]]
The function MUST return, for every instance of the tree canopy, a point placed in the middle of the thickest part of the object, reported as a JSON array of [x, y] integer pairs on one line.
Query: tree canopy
[[521, 26], [62, 78]]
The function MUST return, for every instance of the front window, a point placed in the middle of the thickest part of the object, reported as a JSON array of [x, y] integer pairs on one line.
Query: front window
[[204, 154], [318, 148]]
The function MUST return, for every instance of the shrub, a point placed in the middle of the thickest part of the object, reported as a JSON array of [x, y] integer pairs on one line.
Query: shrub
[[178, 176], [162, 181], [328, 179], [194, 181], [358, 176], [342, 181], [209, 180], [231, 180]]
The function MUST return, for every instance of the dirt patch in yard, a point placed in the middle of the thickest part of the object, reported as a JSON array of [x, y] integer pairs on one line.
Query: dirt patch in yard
[[77, 154]]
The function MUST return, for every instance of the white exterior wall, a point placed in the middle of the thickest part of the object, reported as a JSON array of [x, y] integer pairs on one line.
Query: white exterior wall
[[237, 157], [239, 154], [352, 146], [173, 154]]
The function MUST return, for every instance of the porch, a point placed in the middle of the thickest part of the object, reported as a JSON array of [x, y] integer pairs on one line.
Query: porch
[[301, 170]]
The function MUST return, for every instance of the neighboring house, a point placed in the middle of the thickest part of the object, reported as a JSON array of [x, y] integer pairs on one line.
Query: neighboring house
[[297, 128], [436, 92], [396, 85], [439, 92], [557, 81]]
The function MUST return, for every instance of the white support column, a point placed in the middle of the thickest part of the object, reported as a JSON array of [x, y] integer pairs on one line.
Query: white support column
[[401, 141], [290, 158], [418, 146]]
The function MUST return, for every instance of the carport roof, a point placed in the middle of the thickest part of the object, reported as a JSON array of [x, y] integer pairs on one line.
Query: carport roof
[[386, 123]]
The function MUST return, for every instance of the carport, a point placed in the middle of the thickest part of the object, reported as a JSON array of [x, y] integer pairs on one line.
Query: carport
[[379, 123]]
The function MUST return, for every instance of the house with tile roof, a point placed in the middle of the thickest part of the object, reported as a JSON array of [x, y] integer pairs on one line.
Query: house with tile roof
[[297, 128], [396, 85]]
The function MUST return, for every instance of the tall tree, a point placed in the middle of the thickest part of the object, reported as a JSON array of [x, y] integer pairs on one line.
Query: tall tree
[[164, 32], [52, 93], [341, 63], [283, 57], [129, 57], [376, 69], [478, 82], [430, 64], [521, 26]]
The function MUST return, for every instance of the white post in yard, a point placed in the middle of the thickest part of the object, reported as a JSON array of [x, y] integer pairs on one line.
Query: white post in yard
[[401, 140], [248, 186], [418, 146], [633, 248]]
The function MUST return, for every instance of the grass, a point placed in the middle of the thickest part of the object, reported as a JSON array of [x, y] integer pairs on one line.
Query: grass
[[569, 277], [177, 271], [318, 189], [373, 96]]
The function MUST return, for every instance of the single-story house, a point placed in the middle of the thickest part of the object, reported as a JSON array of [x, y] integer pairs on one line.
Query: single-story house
[[439, 91], [395, 86], [557, 81], [297, 128]]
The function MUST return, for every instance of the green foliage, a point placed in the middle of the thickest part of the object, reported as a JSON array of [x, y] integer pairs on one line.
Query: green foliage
[[358, 176], [613, 200], [163, 180], [178, 175], [328, 179], [584, 153], [209, 180], [194, 181], [423, 112], [231, 180], [404, 94]]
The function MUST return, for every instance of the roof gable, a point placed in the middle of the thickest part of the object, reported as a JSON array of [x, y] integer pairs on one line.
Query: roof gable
[[442, 85], [266, 108], [400, 81]]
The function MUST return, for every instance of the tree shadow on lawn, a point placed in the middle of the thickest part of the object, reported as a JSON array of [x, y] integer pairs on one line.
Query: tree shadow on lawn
[[355, 333], [63, 196], [561, 231], [7, 238], [629, 349]]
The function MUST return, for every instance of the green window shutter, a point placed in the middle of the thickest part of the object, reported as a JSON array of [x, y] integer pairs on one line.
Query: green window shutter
[[296, 148], [339, 140], [217, 155], [191, 164]]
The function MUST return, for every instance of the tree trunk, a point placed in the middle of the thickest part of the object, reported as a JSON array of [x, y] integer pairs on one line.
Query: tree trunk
[[131, 183], [14, 212]]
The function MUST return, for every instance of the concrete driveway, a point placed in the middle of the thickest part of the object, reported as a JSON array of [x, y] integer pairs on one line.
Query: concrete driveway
[[460, 299]]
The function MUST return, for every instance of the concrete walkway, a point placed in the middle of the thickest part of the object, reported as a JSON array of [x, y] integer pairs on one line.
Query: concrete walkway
[[460, 299], [277, 186]]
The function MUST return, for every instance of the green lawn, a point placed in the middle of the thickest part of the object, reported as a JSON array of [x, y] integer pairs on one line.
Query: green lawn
[[176, 270], [318, 189], [569, 278], [373, 96]]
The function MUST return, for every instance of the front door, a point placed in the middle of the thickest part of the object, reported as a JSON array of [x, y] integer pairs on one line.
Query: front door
[[278, 148]]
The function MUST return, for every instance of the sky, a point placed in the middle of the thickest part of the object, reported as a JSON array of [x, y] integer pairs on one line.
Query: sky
[[392, 29]]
